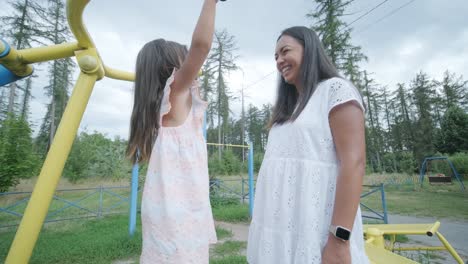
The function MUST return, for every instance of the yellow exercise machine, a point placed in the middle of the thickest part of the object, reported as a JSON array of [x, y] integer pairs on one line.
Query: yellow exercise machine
[[379, 252], [92, 69]]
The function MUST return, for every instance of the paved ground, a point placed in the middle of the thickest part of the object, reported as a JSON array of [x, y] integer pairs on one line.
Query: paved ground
[[456, 232]]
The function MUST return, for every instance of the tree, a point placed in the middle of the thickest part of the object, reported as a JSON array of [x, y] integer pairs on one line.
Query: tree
[[223, 59], [423, 91], [60, 71], [95, 155], [390, 147], [403, 121], [207, 90], [454, 90], [255, 127], [453, 135], [22, 28], [3, 105], [336, 36], [373, 136], [16, 156], [266, 111]]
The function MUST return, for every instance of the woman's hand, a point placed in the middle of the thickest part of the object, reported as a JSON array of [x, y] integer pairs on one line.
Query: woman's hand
[[336, 251]]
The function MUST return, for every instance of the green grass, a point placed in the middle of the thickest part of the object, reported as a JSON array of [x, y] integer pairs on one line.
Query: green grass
[[110, 204], [102, 241], [94, 241], [236, 259], [223, 233], [229, 252], [423, 203], [408, 198], [229, 248], [232, 213]]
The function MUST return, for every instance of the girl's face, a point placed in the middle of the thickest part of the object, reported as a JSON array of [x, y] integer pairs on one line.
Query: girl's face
[[288, 55]]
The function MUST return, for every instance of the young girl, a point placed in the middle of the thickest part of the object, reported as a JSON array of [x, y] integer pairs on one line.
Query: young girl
[[166, 131], [309, 185]]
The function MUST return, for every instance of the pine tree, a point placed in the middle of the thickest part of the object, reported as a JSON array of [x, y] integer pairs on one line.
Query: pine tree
[[336, 36], [453, 136], [423, 91], [22, 28], [60, 72], [223, 59], [454, 90], [373, 126]]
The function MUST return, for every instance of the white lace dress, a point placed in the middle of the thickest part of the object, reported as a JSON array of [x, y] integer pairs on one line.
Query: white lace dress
[[296, 185]]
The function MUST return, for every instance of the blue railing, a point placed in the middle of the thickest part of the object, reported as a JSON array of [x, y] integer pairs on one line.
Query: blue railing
[[79, 203], [370, 213], [71, 204], [226, 188]]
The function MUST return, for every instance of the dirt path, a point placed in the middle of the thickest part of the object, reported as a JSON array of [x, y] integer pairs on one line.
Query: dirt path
[[240, 231]]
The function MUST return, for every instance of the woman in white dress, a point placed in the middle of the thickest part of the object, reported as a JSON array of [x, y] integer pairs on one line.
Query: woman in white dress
[[306, 206]]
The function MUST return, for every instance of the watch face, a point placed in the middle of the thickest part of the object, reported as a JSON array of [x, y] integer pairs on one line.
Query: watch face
[[342, 233]]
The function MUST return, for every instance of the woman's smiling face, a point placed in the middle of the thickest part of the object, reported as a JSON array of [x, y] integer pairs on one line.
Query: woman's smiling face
[[288, 55]]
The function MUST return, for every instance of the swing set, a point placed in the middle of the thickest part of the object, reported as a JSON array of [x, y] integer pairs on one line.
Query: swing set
[[16, 64], [439, 178]]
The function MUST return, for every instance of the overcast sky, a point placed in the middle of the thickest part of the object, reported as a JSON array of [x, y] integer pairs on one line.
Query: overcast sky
[[427, 35]]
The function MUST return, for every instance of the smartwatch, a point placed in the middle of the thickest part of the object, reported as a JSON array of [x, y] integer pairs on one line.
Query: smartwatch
[[340, 232]]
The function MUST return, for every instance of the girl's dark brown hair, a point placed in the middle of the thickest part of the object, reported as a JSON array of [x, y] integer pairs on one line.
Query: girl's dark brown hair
[[155, 63]]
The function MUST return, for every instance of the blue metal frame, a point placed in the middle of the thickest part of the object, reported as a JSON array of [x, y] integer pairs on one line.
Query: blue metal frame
[[7, 48], [52, 215], [133, 200], [424, 167], [383, 216], [251, 179]]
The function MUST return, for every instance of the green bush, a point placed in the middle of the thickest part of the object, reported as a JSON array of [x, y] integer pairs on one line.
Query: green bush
[[229, 164], [218, 201], [17, 158], [258, 159], [460, 161], [406, 162], [95, 155]]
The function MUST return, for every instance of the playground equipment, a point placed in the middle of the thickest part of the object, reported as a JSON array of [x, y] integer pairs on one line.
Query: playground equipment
[[425, 167], [375, 243], [16, 64], [6, 75]]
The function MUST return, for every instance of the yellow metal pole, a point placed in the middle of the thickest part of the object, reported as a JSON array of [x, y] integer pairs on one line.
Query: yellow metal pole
[[449, 248], [48, 53], [119, 75], [227, 145], [376, 236], [420, 248], [36, 211], [75, 10], [433, 229]]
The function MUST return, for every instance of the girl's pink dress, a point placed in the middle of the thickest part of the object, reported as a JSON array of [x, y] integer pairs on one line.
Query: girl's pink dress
[[176, 215]]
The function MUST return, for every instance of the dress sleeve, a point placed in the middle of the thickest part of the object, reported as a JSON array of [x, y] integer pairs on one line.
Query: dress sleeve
[[340, 92]]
